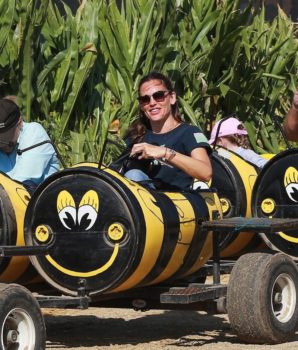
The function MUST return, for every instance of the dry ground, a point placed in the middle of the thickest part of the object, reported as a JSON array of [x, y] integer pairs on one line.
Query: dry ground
[[117, 329], [111, 328]]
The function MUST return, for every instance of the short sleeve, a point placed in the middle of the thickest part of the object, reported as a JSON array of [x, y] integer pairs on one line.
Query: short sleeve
[[35, 163], [194, 138]]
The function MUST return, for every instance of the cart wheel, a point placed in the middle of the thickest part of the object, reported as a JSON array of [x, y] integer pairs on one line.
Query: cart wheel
[[21, 321], [262, 298]]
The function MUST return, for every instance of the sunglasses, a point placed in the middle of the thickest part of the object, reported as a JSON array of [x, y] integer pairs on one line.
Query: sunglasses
[[158, 96]]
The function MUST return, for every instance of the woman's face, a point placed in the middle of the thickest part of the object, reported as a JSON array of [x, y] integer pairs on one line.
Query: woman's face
[[158, 109]]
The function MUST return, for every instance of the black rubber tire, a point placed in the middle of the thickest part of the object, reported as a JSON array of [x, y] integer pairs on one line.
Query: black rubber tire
[[19, 310], [262, 298]]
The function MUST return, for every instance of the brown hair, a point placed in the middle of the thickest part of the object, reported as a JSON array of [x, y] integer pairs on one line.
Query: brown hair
[[239, 140], [139, 126], [12, 98]]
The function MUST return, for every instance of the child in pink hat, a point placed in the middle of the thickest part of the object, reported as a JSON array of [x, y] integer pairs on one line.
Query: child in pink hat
[[231, 134]]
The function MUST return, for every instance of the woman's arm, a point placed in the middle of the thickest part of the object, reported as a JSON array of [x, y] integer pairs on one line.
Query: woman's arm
[[197, 165], [290, 125]]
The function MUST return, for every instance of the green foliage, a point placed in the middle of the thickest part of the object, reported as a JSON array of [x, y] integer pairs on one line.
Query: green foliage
[[79, 73]]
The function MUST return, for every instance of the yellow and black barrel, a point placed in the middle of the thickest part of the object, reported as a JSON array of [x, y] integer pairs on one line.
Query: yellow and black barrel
[[112, 234], [234, 178], [275, 195], [14, 199]]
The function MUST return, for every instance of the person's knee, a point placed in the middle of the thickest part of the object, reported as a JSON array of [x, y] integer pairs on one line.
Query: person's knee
[[137, 175]]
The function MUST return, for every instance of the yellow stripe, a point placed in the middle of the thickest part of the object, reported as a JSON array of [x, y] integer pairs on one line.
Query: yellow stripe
[[19, 199], [213, 204], [154, 231], [248, 175], [187, 231], [15, 269], [240, 242], [203, 257]]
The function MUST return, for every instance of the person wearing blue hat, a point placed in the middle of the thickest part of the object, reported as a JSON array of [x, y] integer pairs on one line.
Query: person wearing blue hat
[[21, 156]]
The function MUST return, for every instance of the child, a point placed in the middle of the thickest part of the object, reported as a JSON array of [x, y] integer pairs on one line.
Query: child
[[233, 136]]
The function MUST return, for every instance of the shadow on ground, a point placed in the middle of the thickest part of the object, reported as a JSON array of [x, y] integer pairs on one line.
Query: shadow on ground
[[171, 328], [185, 328]]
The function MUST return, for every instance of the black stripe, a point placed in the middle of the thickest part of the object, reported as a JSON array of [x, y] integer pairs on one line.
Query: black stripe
[[8, 226], [138, 222], [229, 184], [201, 214], [171, 236]]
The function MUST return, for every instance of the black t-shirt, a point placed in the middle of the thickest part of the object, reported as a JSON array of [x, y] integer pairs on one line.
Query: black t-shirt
[[182, 139]]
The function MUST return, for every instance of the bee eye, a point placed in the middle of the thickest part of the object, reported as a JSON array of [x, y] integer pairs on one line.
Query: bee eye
[[86, 216], [292, 191], [88, 210], [68, 217], [66, 209]]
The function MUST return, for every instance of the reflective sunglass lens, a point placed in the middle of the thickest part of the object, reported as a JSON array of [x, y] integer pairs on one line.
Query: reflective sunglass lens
[[144, 99], [158, 96]]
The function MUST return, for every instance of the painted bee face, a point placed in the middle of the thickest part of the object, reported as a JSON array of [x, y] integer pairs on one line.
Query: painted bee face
[[291, 183], [84, 216], [90, 227], [276, 194]]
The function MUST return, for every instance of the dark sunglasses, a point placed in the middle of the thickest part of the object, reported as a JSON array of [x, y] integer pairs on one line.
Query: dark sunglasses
[[158, 96]]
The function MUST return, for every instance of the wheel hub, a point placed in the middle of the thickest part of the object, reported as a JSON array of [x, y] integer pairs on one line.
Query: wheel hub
[[283, 298], [18, 331], [12, 336], [278, 298]]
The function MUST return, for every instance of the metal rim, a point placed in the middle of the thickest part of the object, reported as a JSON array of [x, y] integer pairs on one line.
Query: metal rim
[[283, 298], [18, 331]]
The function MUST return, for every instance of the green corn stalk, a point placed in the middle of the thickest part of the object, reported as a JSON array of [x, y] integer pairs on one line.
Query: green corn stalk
[[78, 73], [31, 19]]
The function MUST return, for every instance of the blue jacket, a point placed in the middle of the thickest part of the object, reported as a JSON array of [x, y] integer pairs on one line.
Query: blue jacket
[[35, 164]]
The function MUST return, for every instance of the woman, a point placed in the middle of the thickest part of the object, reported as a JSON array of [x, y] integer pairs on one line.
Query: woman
[[231, 134], [178, 151]]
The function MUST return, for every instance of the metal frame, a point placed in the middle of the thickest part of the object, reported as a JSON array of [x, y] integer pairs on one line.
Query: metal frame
[[176, 293]]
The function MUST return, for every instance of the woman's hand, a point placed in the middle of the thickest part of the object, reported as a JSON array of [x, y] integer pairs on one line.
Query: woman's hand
[[145, 150], [197, 165]]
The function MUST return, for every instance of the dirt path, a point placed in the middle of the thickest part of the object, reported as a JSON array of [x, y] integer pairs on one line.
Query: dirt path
[[110, 328]]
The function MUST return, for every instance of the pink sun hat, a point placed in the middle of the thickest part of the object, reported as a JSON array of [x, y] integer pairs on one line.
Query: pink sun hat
[[230, 126]]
